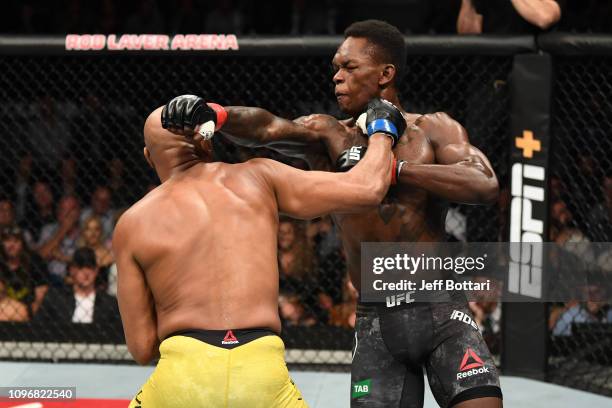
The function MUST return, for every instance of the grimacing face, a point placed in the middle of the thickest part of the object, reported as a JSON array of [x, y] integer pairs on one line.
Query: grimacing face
[[357, 75]]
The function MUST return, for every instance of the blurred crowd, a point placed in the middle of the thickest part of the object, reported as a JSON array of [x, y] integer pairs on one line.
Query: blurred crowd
[[296, 17]]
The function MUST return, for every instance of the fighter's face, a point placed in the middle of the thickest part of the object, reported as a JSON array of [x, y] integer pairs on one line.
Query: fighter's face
[[357, 75]]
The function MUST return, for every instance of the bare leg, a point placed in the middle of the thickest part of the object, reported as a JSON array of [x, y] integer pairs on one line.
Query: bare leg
[[487, 402]]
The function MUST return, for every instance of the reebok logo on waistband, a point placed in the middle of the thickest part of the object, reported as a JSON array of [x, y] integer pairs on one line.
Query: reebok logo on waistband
[[230, 338]]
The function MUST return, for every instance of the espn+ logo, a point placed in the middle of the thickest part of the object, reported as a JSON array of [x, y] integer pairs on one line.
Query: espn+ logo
[[527, 213]]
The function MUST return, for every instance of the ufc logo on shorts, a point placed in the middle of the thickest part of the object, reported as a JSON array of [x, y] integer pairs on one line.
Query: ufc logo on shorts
[[463, 317], [355, 153], [397, 300]]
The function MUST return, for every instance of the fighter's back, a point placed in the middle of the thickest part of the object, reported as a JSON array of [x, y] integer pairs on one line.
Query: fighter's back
[[206, 242]]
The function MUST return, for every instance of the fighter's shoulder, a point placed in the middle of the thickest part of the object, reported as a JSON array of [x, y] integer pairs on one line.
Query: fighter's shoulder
[[434, 119], [128, 221], [440, 127]]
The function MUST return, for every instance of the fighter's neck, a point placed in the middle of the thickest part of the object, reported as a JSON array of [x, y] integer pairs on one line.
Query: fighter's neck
[[390, 94]]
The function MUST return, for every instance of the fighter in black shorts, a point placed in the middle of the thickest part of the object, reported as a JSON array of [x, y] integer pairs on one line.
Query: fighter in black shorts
[[393, 345]]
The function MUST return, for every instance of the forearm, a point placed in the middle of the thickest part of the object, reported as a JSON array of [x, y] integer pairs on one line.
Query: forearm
[[373, 173], [46, 250], [255, 127], [541, 13], [462, 183]]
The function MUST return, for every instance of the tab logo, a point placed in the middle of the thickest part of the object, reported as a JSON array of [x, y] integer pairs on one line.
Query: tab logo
[[230, 338], [361, 388]]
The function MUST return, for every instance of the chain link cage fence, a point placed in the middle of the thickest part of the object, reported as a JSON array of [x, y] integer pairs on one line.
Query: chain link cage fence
[[71, 151], [581, 211], [72, 161]]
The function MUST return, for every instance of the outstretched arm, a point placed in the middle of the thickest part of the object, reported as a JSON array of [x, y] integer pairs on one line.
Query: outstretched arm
[[310, 194], [136, 304], [463, 173], [257, 127], [253, 127]]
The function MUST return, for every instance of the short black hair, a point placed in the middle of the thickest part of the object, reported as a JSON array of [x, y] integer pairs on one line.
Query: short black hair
[[386, 38], [84, 257]]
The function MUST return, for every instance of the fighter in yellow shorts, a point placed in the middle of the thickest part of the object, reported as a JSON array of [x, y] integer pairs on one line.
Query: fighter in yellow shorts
[[197, 263]]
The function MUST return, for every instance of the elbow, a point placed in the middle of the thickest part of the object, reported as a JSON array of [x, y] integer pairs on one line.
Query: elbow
[[375, 193], [489, 193], [547, 18], [141, 356], [143, 351]]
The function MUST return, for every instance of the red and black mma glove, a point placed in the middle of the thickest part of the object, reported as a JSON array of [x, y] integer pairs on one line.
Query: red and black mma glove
[[184, 113], [384, 117], [351, 156]]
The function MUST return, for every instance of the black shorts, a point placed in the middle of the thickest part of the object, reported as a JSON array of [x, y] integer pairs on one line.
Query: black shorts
[[393, 345]]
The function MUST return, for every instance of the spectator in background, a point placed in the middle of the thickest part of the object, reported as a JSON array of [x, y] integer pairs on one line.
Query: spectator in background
[[595, 310], [331, 264], [344, 314], [8, 219], [68, 177], [599, 218], [41, 213], [508, 16], [81, 302], [7, 213], [101, 207], [49, 132], [292, 312], [25, 271], [11, 310], [23, 191], [58, 240], [122, 195], [296, 265], [91, 236]]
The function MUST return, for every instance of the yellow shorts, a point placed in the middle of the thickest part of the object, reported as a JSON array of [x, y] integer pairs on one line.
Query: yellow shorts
[[192, 373]]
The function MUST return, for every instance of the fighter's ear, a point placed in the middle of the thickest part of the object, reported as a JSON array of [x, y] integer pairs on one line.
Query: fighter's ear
[[387, 75], [147, 156]]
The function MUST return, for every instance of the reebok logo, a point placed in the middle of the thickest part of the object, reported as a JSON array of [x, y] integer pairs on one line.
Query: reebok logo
[[471, 365], [230, 338], [463, 317]]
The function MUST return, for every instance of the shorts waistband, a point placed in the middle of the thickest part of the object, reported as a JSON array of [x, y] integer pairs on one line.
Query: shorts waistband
[[228, 339]]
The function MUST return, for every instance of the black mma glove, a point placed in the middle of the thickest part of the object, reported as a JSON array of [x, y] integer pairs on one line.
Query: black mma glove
[[383, 116], [184, 113], [350, 157]]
